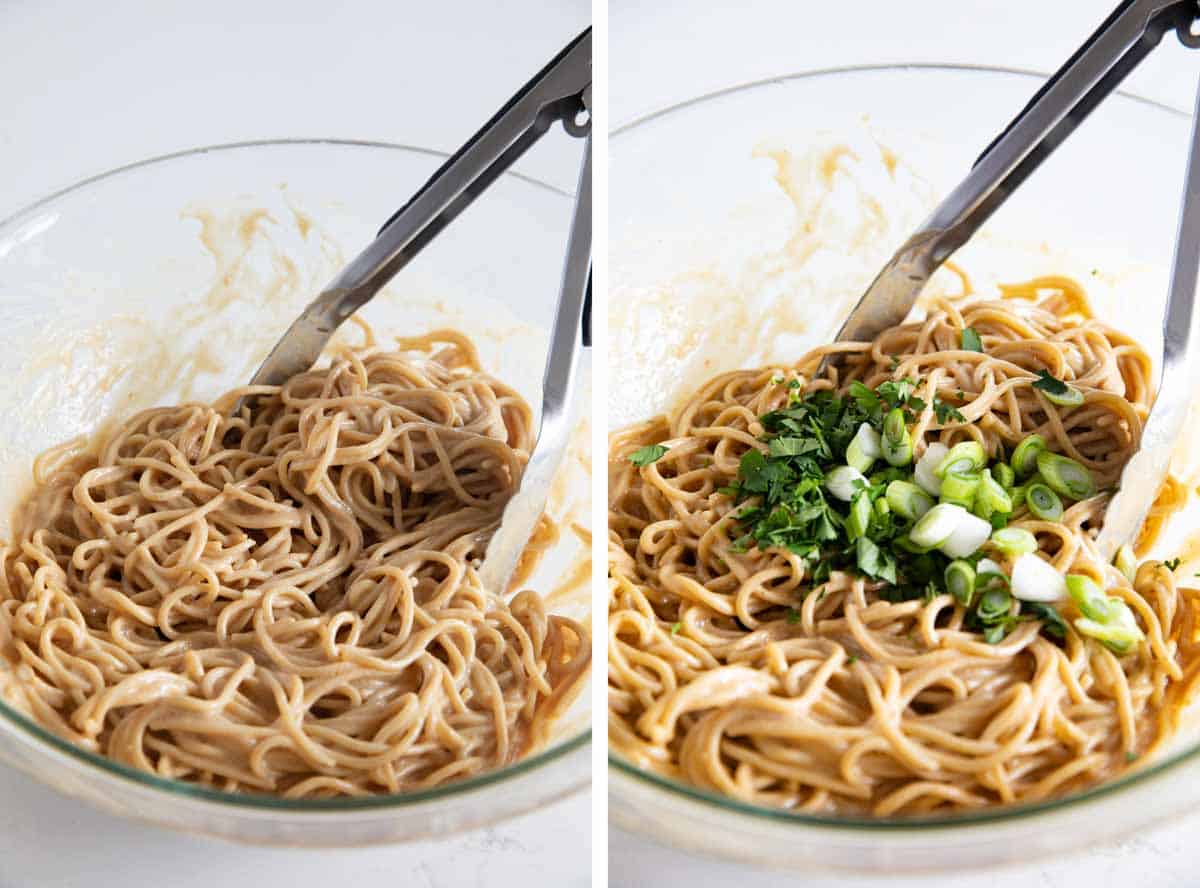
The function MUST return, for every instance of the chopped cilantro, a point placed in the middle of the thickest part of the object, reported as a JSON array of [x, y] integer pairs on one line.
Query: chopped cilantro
[[1052, 622], [1049, 384], [946, 412], [851, 660], [793, 615], [643, 456], [779, 501], [1172, 563], [971, 340], [675, 627], [1131, 757]]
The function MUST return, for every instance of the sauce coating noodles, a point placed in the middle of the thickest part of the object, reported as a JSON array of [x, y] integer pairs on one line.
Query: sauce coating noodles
[[730, 671], [277, 596]]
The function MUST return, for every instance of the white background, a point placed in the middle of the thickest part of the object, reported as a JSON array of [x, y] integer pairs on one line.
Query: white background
[[666, 51], [87, 86]]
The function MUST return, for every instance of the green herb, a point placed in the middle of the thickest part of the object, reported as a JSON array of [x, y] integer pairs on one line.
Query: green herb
[[643, 456], [1050, 385], [1052, 622], [793, 615], [851, 660], [783, 499], [1172, 564], [1131, 756], [675, 627], [971, 340], [946, 412]]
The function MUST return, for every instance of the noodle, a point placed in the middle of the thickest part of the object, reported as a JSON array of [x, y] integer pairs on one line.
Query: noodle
[[729, 670], [278, 596]]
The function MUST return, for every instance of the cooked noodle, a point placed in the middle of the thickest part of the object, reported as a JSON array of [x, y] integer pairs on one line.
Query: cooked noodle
[[857, 704], [278, 597]]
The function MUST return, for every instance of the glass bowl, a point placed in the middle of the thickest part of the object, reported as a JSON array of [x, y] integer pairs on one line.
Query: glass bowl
[[169, 279], [702, 230]]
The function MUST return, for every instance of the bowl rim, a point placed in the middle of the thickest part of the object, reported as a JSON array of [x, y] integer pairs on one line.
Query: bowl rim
[[923, 825], [250, 801]]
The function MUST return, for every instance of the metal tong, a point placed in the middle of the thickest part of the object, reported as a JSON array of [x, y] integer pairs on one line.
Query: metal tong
[[561, 91], [1126, 37]]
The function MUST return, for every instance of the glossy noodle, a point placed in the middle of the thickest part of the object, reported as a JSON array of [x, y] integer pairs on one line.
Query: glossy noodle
[[277, 595]]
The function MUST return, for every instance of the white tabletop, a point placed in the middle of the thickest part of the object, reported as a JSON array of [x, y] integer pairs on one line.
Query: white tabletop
[[670, 50], [90, 86]]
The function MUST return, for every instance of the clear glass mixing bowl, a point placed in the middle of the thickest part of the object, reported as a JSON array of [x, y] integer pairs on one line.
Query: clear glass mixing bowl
[[170, 279], [684, 190]]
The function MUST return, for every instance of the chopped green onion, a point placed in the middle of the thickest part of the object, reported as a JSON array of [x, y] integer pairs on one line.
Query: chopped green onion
[[1043, 502], [925, 473], [1036, 580], [1120, 633], [881, 507], [908, 500], [1014, 541], [1065, 476], [1018, 496], [864, 449], [990, 497], [844, 481], [936, 525], [960, 581], [1024, 458], [1057, 391], [1072, 397], [964, 457], [1126, 562], [1089, 598], [971, 340], [993, 605], [895, 442], [986, 566], [1004, 475], [968, 535], [959, 489], [860, 515]]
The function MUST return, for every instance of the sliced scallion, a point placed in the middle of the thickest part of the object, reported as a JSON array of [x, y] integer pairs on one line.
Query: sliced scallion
[[1120, 632], [844, 481], [925, 473], [936, 525], [1043, 502], [994, 604], [896, 443], [1065, 476], [864, 449], [1034, 579], [1126, 562], [1089, 598], [908, 500], [964, 458], [1067, 396], [1014, 541], [960, 489], [990, 497], [960, 581], [1024, 458], [968, 535], [1004, 475]]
